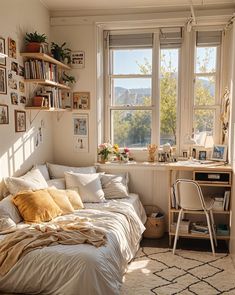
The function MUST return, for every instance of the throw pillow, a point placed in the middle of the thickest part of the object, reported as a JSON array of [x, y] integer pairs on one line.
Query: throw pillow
[[44, 170], [57, 171], [61, 199], [88, 186], [74, 199], [114, 186], [36, 206], [58, 183], [31, 180], [8, 209]]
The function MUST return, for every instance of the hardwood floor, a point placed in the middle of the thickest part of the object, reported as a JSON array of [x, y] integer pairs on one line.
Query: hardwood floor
[[185, 244]]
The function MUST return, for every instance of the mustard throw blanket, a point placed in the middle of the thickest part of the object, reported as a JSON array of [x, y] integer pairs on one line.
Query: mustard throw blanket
[[19, 243]]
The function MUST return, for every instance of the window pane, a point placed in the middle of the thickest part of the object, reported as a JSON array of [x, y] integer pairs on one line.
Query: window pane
[[204, 91], [132, 61], [206, 59], [131, 91], [131, 128], [204, 122], [168, 93]]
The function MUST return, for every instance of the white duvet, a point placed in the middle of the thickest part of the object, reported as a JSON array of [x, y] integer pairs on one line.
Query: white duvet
[[83, 269]]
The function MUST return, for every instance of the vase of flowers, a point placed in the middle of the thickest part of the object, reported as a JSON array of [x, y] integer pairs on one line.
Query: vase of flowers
[[104, 150]]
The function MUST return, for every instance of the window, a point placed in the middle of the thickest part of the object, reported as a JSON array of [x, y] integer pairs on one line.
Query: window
[[137, 113], [168, 95], [206, 100]]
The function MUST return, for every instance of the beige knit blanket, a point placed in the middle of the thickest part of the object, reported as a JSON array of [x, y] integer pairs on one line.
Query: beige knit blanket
[[72, 232]]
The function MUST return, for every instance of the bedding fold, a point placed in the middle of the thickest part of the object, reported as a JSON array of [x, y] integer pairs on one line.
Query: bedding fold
[[70, 232]]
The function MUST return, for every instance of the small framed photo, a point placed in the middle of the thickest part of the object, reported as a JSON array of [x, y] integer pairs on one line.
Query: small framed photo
[[185, 154], [4, 114], [219, 152], [78, 59], [80, 144], [81, 100], [11, 48], [201, 155], [3, 84], [80, 125], [66, 98], [14, 98], [20, 121], [3, 51]]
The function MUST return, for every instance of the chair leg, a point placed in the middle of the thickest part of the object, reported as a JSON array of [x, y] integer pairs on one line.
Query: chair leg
[[210, 232], [177, 230], [213, 227]]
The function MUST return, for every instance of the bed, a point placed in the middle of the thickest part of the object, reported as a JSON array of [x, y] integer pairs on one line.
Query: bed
[[83, 269]]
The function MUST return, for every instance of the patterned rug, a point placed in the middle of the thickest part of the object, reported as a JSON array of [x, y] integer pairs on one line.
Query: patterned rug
[[158, 271]]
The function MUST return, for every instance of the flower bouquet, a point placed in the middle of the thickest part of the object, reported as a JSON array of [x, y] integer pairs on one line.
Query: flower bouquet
[[104, 150]]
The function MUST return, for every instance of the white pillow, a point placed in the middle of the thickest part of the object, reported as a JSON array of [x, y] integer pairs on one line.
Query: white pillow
[[7, 225], [115, 186], [44, 170], [8, 209], [57, 171], [58, 183], [88, 186], [31, 180]]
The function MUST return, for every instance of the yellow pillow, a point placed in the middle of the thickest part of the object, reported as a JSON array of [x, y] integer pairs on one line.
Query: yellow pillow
[[60, 198], [36, 206], [74, 199]]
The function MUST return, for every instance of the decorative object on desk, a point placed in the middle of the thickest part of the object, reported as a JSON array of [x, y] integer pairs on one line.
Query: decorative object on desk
[[3, 85], [202, 155], [152, 148], [2, 52], [78, 59], [167, 150], [219, 152], [104, 150], [4, 114], [225, 115], [36, 42], [81, 100], [189, 141], [20, 121], [61, 53], [161, 156]]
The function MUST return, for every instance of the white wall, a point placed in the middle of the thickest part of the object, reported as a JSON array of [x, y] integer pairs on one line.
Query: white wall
[[17, 150], [81, 37]]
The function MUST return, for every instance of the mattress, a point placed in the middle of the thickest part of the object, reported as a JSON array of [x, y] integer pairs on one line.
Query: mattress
[[83, 269]]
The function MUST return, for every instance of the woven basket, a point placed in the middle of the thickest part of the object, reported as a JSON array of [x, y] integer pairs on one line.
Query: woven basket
[[155, 226]]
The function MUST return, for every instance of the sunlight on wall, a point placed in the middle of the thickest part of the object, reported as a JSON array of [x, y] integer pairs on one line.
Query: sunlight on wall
[[18, 153]]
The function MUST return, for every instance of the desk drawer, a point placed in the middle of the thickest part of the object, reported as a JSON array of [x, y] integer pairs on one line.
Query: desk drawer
[[212, 177]]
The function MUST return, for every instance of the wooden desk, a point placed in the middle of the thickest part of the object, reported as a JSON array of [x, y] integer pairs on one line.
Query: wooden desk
[[216, 177]]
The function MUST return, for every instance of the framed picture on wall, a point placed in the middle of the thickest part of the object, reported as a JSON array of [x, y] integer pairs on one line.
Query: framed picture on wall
[[4, 114], [3, 51], [3, 84], [20, 121], [81, 100], [78, 59], [219, 152], [80, 125], [11, 48]]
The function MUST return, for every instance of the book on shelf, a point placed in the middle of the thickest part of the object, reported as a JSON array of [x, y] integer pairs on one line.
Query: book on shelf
[[226, 200], [183, 228], [174, 203]]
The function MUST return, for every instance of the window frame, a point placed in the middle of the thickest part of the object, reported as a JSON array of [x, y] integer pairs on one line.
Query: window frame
[[216, 107]]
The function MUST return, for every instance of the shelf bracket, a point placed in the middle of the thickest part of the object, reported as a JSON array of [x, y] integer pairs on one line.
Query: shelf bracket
[[31, 118], [59, 115]]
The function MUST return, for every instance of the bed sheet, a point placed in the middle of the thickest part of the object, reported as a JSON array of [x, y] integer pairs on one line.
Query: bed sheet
[[82, 269]]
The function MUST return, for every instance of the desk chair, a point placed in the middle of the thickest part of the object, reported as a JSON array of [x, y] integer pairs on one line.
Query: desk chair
[[189, 197]]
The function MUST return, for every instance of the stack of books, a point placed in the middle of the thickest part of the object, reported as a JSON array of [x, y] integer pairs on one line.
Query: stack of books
[[218, 204], [184, 226], [199, 228]]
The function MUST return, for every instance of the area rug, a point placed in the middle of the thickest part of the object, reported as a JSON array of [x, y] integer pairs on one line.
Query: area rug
[[158, 271]]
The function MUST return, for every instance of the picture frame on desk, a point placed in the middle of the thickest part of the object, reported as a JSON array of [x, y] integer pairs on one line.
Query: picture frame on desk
[[201, 155], [219, 153]]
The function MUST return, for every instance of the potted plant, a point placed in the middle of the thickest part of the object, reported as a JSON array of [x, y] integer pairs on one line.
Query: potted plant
[[67, 79], [35, 42], [60, 52]]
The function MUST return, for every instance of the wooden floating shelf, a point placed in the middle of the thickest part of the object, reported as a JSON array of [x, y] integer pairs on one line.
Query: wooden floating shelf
[[45, 57], [47, 83], [47, 109]]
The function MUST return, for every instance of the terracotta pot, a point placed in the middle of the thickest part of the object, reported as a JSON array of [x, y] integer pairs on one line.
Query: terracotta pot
[[33, 47]]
